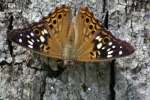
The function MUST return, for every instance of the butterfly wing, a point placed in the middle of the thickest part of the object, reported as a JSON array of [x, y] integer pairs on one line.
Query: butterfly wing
[[58, 23], [93, 42], [106, 46], [47, 36]]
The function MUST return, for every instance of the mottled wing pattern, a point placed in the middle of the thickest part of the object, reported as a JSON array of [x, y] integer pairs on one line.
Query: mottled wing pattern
[[94, 42], [47, 36], [85, 26], [58, 24]]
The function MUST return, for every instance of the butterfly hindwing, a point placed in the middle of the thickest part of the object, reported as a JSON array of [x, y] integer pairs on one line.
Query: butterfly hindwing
[[35, 38], [106, 46]]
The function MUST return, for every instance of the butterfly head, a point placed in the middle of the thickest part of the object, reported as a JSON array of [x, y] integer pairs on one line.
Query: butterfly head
[[69, 62]]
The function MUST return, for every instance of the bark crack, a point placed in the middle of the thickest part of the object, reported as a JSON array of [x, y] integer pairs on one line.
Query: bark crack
[[112, 80]]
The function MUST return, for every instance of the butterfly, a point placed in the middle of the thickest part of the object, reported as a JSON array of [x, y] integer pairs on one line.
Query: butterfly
[[80, 37]]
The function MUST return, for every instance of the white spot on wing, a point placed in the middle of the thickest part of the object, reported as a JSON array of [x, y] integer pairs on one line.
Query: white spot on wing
[[45, 31], [103, 48], [110, 43], [120, 46], [108, 49], [30, 46], [42, 39], [113, 46], [110, 52], [30, 42], [98, 38], [28, 36], [32, 34], [120, 52], [99, 45], [20, 40], [109, 56], [38, 40]]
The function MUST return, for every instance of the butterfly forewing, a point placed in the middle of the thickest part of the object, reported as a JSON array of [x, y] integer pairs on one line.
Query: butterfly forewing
[[58, 23], [94, 42], [48, 35], [85, 27]]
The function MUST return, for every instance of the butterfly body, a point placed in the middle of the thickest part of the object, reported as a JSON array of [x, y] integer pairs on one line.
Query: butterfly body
[[79, 37], [68, 52]]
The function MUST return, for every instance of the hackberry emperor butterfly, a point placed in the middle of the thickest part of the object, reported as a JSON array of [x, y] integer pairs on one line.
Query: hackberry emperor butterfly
[[81, 37]]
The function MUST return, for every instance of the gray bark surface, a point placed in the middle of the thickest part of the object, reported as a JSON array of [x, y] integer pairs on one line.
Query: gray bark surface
[[27, 76]]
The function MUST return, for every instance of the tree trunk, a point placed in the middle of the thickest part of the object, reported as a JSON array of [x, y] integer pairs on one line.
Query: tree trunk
[[28, 76]]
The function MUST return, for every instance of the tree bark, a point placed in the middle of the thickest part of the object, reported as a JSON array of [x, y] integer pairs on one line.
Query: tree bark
[[28, 76]]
